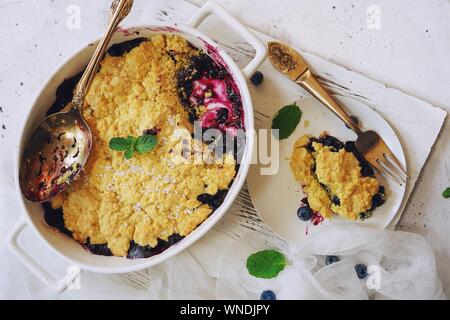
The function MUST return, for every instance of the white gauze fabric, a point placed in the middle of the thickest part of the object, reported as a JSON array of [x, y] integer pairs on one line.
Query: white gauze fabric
[[400, 265]]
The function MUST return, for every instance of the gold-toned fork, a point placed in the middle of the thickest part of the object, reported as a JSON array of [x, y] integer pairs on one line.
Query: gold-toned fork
[[369, 143]]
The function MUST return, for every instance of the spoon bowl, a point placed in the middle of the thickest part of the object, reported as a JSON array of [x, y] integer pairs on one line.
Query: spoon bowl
[[54, 155], [60, 145]]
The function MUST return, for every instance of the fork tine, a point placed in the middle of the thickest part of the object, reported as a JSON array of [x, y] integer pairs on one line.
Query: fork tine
[[381, 170], [393, 159], [392, 170], [387, 171]]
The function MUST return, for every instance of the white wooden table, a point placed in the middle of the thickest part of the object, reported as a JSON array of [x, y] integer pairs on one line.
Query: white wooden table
[[409, 50]]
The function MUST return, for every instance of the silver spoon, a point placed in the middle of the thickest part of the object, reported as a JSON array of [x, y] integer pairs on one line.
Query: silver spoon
[[60, 145]]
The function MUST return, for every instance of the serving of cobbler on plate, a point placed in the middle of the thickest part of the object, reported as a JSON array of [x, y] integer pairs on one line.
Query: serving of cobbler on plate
[[335, 178]]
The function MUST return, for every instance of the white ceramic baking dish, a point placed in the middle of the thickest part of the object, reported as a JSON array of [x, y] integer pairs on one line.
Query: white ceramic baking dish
[[69, 249]]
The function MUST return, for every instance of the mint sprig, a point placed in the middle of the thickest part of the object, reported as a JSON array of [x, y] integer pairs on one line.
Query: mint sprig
[[446, 193], [141, 144], [266, 264], [286, 120]]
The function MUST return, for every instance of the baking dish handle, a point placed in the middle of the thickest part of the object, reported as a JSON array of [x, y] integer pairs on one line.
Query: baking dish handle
[[211, 8], [12, 243]]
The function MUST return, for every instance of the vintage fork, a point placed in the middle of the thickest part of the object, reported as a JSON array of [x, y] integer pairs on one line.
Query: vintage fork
[[368, 143]]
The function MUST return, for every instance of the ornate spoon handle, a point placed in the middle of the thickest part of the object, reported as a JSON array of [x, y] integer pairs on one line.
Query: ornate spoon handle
[[121, 8]]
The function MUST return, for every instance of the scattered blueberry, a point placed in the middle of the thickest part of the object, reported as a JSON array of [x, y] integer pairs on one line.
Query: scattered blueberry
[[354, 119], [268, 295], [304, 213], [257, 78], [331, 259], [361, 271]]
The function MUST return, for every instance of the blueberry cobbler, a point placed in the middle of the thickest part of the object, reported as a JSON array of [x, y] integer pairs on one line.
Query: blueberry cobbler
[[335, 178], [139, 206]]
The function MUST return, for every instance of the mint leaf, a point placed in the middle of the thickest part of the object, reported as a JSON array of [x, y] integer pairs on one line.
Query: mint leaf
[[141, 144], [286, 120], [145, 143], [120, 144], [446, 193], [129, 152], [266, 264]]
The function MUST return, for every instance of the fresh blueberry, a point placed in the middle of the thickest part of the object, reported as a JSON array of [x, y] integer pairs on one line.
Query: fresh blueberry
[[257, 78], [304, 213], [268, 295], [331, 259], [381, 190], [361, 271], [354, 119]]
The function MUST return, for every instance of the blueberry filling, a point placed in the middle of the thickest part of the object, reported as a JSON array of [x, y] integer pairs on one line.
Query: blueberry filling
[[222, 115], [213, 201], [54, 218], [137, 251], [64, 93], [99, 249], [305, 201], [153, 131], [119, 49], [330, 141], [336, 201], [205, 85]]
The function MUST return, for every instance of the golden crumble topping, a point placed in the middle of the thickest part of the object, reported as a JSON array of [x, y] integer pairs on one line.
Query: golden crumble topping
[[152, 195]]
